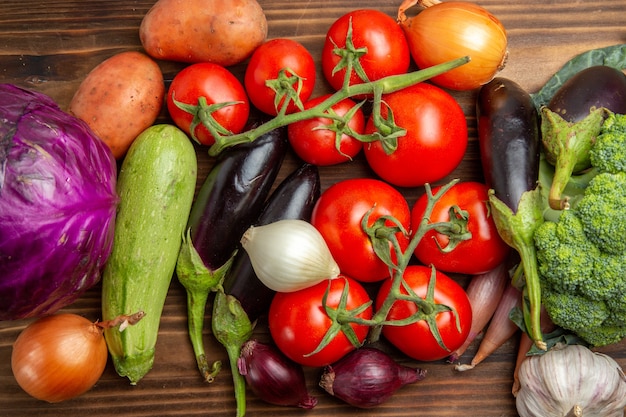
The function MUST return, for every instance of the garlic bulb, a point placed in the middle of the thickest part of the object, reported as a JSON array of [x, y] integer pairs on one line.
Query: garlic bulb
[[289, 255], [571, 381]]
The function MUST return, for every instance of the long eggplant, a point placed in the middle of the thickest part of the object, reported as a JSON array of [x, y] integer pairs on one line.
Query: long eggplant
[[509, 141], [229, 201], [508, 137], [294, 198]]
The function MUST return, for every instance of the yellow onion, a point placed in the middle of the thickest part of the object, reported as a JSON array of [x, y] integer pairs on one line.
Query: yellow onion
[[449, 30], [62, 356]]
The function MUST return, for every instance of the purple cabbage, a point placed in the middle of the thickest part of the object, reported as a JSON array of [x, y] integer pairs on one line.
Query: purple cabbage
[[57, 205]]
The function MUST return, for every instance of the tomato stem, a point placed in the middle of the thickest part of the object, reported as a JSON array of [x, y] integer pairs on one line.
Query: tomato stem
[[378, 88]]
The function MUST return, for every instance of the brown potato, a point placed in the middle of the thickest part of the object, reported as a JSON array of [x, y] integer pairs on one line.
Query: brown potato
[[224, 32], [120, 98]]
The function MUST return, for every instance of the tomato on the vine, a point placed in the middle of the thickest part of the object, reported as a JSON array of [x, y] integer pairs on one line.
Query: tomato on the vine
[[416, 340], [435, 139], [482, 252], [298, 321], [215, 84], [280, 62], [321, 141], [338, 214], [375, 36]]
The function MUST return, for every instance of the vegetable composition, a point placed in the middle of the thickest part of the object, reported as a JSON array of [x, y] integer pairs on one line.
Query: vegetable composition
[[224, 32], [57, 185], [156, 187], [120, 98]]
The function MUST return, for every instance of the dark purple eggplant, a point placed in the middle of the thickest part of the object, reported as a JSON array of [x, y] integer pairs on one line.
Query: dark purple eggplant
[[509, 139], [367, 377], [572, 120], [229, 201], [294, 198], [233, 196], [273, 377], [594, 87]]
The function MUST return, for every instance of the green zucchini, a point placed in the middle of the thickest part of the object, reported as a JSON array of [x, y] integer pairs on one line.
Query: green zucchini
[[156, 187]]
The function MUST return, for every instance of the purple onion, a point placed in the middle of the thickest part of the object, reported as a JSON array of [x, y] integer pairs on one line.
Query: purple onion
[[273, 377], [367, 377]]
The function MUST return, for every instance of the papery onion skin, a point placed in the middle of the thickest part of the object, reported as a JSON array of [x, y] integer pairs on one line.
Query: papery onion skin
[[453, 29], [367, 377], [59, 357]]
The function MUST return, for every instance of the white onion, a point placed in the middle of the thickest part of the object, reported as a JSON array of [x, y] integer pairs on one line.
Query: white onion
[[289, 255]]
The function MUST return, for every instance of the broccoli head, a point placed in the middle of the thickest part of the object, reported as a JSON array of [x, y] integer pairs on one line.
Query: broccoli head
[[581, 258]]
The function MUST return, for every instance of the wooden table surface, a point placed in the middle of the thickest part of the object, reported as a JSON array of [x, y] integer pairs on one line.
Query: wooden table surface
[[50, 46]]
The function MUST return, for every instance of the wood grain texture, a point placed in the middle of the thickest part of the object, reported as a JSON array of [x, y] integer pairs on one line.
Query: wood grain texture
[[51, 46]]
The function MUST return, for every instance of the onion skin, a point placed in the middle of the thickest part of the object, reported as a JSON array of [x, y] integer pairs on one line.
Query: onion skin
[[59, 357], [273, 377], [367, 377], [500, 329], [438, 34], [484, 292]]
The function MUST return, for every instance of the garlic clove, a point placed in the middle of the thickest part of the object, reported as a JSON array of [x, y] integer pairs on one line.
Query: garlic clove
[[289, 255]]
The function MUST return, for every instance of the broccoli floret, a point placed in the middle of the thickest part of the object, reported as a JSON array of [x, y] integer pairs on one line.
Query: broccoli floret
[[574, 312], [602, 336], [608, 153], [602, 212]]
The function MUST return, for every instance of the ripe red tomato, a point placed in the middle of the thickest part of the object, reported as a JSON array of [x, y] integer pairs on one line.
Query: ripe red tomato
[[266, 63], [217, 85], [434, 144], [315, 141], [483, 252], [416, 340], [298, 321], [338, 214], [381, 38]]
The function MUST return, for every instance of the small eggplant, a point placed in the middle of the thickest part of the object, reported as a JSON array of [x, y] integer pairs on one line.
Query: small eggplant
[[273, 377], [508, 135], [593, 87], [367, 377], [294, 198]]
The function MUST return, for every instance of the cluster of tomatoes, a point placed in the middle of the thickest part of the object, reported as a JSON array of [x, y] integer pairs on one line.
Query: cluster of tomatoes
[[433, 145]]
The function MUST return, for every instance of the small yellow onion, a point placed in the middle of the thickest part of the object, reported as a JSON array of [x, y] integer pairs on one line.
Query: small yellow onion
[[289, 255], [448, 30], [59, 357]]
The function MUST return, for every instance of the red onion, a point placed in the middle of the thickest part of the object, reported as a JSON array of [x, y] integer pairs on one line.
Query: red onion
[[367, 377], [273, 377]]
